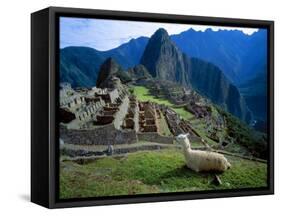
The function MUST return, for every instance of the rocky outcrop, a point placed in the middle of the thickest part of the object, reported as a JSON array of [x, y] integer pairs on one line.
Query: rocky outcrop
[[139, 72]]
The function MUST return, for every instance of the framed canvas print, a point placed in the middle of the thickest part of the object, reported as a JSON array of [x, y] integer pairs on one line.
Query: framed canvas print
[[138, 107]]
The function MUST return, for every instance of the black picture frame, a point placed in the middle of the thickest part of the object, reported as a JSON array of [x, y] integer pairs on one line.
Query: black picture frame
[[45, 101]]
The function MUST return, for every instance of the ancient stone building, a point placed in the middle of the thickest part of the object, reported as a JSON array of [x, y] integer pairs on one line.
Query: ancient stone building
[[107, 116], [131, 120], [147, 117], [199, 110]]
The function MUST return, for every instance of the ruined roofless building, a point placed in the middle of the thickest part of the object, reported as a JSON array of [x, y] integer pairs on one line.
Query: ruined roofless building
[[102, 125], [79, 104]]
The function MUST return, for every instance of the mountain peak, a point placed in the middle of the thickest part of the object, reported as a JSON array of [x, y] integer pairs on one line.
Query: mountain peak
[[160, 34], [161, 31], [110, 61], [163, 59], [209, 30], [108, 69], [191, 30]]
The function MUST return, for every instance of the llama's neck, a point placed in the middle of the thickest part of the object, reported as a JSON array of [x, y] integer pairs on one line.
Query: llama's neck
[[186, 148]]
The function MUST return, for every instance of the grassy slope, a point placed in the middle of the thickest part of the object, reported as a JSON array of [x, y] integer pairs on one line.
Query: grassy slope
[[152, 172], [143, 94], [163, 126]]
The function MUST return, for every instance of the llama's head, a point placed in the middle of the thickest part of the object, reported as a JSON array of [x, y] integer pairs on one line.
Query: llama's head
[[183, 140]]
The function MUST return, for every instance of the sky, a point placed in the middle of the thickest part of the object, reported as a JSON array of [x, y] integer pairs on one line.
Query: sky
[[102, 34]]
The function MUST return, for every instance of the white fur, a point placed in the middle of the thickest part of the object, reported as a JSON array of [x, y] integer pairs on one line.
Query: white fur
[[202, 160]]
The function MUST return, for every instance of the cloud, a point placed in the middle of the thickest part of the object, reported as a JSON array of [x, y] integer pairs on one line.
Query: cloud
[[104, 34]]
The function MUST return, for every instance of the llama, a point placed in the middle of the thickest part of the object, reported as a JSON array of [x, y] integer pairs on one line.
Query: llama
[[202, 160]]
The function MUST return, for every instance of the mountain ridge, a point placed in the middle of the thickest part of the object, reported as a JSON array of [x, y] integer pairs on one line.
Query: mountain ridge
[[80, 65], [165, 61]]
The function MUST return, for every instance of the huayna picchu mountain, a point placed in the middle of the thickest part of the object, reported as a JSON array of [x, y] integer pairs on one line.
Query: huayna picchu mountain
[[165, 61]]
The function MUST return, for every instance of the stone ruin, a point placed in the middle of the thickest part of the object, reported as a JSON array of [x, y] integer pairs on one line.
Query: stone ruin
[[94, 106], [169, 90], [98, 116], [173, 121], [176, 124], [199, 110], [147, 117], [78, 104], [131, 119], [107, 116]]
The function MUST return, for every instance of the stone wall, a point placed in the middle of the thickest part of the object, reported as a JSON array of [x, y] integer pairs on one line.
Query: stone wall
[[89, 111], [108, 135], [155, 137], [120, 115], [136, 117], [113, 95], [103, 135], [193, 138]]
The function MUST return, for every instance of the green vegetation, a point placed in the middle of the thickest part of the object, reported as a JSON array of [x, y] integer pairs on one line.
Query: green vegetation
[[183, 113], [254, 141], [246, 140], [152, 172], [199, 126], [142, 93], [163, 126], [147, 172]]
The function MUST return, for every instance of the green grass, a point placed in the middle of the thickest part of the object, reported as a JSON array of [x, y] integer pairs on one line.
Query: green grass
[[152, 172], [254, 141], [183, 113], [199, 126], [163, 126], [142, 93]]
